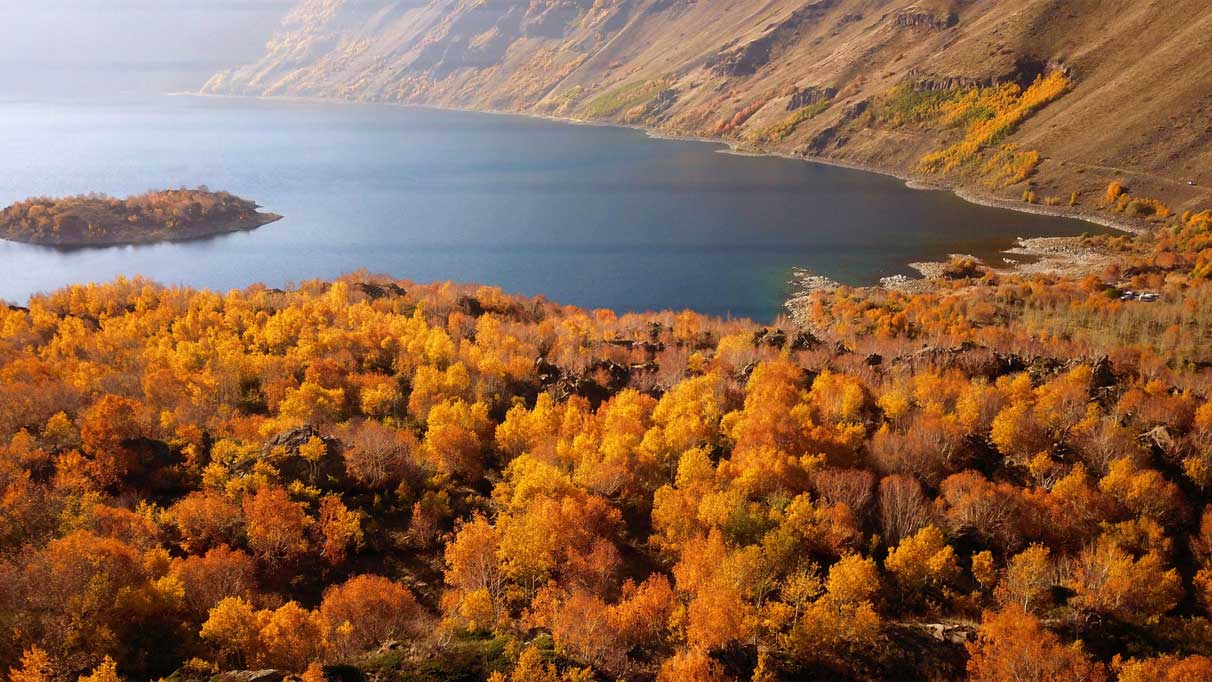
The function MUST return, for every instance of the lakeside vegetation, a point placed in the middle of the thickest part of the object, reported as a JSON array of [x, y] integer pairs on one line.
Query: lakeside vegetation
[[985, 116], [1005, 478], [625, 98], [781, 130], [98, 219]]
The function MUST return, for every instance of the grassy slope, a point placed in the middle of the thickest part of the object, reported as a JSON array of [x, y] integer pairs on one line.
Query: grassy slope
[[1138, 111]]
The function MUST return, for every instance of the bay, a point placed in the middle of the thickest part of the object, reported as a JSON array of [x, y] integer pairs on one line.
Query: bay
[[585, 215]]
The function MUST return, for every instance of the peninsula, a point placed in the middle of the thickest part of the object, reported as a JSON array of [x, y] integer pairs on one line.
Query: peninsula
[[100, 220]]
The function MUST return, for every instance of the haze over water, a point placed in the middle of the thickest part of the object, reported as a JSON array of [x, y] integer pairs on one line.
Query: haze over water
[[592, 216]]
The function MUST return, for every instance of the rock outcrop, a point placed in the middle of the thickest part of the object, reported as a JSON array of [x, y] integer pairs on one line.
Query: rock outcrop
[[813, 94], [912, 17]]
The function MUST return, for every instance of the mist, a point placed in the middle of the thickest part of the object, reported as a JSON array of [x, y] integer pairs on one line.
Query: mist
[[101, 47]]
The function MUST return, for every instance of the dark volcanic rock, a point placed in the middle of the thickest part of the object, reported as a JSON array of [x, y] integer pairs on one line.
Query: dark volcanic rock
[[809, 96], [830, 136], [548, 373], [658, 105], [377, 291], [331, 466], [291, 440], [916, 17], [804, 341], [748, 58], [471, 306], [948, 83], [1104, 375], [776, 338]]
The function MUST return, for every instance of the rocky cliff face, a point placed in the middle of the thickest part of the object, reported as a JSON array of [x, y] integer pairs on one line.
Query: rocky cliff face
[[1138, 109]]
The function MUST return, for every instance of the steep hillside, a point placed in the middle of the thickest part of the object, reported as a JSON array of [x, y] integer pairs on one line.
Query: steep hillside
[[881, 83]]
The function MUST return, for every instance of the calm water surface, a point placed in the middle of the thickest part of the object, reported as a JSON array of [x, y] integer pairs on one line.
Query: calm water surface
[[592, 216]]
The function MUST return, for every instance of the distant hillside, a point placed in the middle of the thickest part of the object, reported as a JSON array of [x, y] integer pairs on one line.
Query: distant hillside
[[933, 89]]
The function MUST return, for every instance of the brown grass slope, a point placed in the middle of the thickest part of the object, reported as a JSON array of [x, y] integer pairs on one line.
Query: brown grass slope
[[1140, 110]]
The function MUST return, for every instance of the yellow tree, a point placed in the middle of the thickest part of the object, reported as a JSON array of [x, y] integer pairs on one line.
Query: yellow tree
[[1028, 579], [365, 611], [106, 671], [1012, 646], [717, 616], [474, 572], [339, 529], [234, 628], [844, 617], [36, 666], [923, 561], [1166, 669], [290, 637], [692, 666], [432, 386], [454, 438], [1109, 580], [276, 525]]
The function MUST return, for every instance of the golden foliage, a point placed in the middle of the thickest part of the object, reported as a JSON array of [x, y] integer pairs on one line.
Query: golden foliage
[[258, 478], [1012, 645], [991, 114]]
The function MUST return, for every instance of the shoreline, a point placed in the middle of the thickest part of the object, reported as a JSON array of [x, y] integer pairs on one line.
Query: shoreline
[[735, 148], [1052, 254], [261, 220]]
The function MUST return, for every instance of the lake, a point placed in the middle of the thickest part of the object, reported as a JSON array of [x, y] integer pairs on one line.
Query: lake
[[585, 215]]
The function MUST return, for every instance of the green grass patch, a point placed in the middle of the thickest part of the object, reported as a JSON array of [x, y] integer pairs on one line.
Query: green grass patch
[[622, 98], [903, 105], [783, 129]]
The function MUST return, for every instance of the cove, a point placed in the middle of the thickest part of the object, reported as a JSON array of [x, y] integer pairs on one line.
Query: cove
[[599, 217]]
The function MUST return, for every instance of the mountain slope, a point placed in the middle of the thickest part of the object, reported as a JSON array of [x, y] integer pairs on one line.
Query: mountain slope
[[873, 82]]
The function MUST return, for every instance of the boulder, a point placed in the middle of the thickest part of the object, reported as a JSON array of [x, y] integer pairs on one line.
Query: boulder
[[951, 632], [471, 306], [330, 468], [292, 439], [376, 291], [548, 373], [804, 341], [1104, 375]]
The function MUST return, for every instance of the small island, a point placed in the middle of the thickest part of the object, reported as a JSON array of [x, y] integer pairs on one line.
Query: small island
[[101, 220]]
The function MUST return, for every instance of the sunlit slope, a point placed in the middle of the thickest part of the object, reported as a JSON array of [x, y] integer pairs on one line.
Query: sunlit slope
[[787, 74]]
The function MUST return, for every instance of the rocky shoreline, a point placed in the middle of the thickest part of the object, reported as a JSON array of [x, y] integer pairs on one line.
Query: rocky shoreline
[[261, 220]]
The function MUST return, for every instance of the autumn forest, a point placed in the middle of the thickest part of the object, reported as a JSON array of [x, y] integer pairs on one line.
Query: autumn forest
[[236, 452], [1003, 479]]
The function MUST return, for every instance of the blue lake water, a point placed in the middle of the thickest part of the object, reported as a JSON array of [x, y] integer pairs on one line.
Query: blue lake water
[[592, 216]]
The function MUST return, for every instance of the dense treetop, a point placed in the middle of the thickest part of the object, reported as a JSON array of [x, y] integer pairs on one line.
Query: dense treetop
[[1006, 478]]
